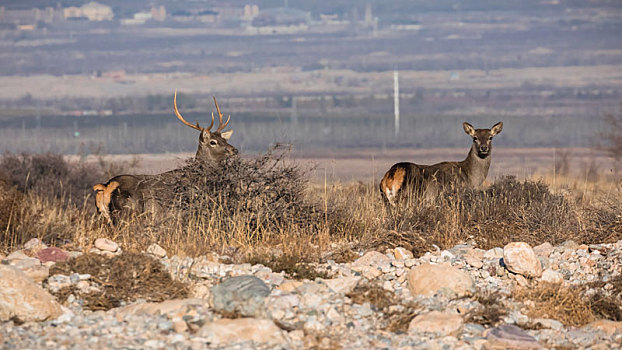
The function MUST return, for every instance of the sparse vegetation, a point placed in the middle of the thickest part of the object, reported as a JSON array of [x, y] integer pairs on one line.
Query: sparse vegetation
[[123, 279], [251, 208]]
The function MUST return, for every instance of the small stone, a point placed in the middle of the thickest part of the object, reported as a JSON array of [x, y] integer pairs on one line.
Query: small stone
[[22, 263], [474, 261], [509, 336], [428, 279], [494, 253], [38, 273], [370, 259], [402, 253], [552, 276], [106, 245], [436, 322], [52, 254], [518, 257], [342, 285], [225, 331], [34, 244], [545, 249], [242, 294], [289, 286], [548, 323], [156, 251], [606, 326]]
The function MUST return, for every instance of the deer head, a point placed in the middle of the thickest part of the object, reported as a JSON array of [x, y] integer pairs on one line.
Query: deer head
[[482, 138], [213, 146]]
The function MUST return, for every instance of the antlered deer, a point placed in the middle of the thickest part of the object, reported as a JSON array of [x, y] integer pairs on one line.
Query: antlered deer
[[415, 178], [118, 191]]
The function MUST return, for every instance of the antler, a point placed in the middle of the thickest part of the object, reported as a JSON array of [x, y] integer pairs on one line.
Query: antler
[[220, 124], [197, 127]]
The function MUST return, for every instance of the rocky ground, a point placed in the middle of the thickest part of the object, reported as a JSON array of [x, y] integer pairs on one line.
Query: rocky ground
[[461, 298]]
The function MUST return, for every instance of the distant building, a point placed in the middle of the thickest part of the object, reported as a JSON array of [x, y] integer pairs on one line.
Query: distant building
[[281, 16], [93, 11], [31, 16]]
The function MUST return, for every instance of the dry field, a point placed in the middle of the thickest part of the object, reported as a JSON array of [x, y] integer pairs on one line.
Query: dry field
[[255, 206], [290, 80]]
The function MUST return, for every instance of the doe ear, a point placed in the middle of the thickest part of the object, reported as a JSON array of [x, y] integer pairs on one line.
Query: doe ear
[[227, 134], [496, 128], [468, 128]]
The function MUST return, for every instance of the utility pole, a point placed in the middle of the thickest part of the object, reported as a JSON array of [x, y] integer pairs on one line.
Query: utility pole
[[396, 101]]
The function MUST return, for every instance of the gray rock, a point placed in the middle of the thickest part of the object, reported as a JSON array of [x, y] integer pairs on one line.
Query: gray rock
[[241, 294], [510, 337]]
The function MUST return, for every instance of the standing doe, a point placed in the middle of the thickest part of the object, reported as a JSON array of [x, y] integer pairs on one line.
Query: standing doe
[[418, 179], [124, 190]]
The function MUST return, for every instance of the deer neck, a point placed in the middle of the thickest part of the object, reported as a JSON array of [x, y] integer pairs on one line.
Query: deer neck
[[475, 167]]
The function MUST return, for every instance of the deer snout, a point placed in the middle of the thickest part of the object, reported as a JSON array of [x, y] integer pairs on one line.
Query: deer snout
[[233, 151], [484, 149]]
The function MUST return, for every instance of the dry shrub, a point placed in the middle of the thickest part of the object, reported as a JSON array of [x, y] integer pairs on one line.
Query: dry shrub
[[123, 279], [562, 303], [50, 175], [239, 202], [396, 317], [507, 211], [607, 303], [10, 203], [490, 310]]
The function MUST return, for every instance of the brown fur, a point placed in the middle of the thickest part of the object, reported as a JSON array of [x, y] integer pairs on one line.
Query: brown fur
[[416, 178]]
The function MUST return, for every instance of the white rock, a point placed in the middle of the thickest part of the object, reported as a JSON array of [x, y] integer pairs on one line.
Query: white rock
[[402, 253], [35, 244], [342, 285], [229, 331], [436, 322], [494, 253], [156, 250], [519, 258], [552, 276], [21, 298], [106, 245], [428, 279], [371, 259]]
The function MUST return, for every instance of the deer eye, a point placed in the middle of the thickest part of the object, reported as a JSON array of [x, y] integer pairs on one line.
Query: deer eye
[[213, 143], [489, 137], [475, 139]]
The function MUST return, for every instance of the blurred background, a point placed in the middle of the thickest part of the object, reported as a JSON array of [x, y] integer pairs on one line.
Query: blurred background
[[80, 78]]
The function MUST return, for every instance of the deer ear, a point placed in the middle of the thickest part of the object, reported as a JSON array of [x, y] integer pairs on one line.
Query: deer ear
[[496, 128], [468, 128], [227, 134]]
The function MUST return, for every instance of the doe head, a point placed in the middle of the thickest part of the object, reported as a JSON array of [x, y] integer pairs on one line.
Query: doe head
[[482, 138], [213, 146]]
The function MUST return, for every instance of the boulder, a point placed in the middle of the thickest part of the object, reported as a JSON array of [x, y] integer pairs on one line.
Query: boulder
[[428, 279], [21, 298], [606, 326], [519, 258], [436, 322], [244, 295], [228, 331], [509, 336]]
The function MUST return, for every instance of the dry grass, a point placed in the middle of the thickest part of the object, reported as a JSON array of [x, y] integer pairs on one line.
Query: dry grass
[[124, 278], [490, 310], [562, 303], [396, 316], [250, 207]]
